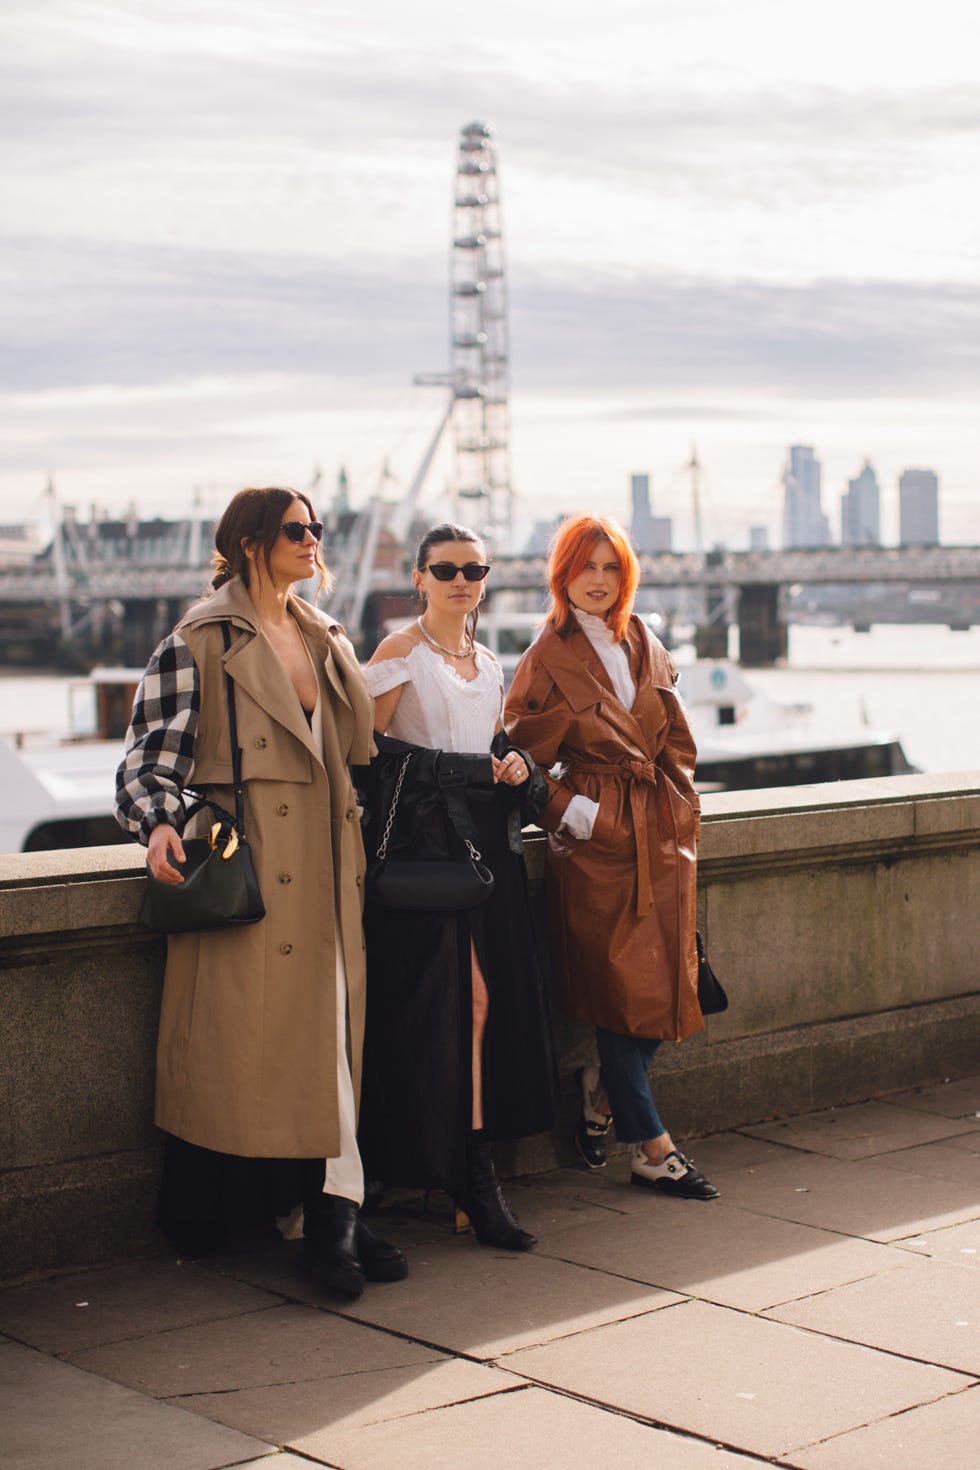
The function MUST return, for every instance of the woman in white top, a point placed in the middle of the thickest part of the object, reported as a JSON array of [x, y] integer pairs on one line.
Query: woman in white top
[[458, 1049]]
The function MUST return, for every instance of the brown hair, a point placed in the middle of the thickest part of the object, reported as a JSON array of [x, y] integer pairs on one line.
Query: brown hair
[[571, 549], [255, 516], [449, 531]]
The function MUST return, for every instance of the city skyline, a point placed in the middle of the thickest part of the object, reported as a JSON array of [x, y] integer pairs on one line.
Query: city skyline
[[227, 243]]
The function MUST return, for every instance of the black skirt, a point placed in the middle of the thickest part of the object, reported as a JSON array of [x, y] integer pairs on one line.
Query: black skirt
[[416, 1103]]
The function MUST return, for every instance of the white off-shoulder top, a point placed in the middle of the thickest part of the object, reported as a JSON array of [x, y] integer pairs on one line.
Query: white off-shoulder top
[[438, 709]]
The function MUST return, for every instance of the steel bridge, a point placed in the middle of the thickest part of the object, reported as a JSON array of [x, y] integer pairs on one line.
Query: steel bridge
[[138, 577]]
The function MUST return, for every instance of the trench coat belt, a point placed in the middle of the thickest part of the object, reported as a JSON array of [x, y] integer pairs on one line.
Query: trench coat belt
[[637, 774]]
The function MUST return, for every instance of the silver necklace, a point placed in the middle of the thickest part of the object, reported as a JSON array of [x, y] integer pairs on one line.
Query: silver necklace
[[447, 651]]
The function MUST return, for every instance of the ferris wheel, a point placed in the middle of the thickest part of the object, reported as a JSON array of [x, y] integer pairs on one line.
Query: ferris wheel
[[480, 369]]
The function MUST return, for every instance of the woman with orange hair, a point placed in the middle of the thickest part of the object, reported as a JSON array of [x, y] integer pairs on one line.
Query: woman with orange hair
[[594, 695]]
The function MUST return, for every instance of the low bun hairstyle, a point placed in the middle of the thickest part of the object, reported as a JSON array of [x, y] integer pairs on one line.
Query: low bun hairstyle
[[255, 516]]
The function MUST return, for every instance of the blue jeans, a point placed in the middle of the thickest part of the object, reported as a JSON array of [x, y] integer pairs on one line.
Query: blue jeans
[[623, 1062]]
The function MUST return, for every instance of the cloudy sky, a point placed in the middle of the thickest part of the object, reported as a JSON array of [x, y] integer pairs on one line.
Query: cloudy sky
[[225, 245]]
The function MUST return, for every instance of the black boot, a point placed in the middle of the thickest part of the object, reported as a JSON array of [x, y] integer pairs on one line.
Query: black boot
[[331, 1245], [485, 1205], [381, 1261]]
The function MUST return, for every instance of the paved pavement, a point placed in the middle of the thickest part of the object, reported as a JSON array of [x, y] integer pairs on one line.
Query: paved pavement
[[823, 1314]]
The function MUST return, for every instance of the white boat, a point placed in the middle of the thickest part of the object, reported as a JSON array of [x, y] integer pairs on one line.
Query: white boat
[[746, 739], [58, 791]]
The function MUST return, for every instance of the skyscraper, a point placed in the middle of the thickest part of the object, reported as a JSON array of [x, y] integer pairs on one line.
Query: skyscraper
[[860, 510], [648, 532], [918, 508], [804, 523]]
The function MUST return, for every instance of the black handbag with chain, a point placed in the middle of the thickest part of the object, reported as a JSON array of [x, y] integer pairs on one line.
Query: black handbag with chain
[[427, 885], [220, 888]]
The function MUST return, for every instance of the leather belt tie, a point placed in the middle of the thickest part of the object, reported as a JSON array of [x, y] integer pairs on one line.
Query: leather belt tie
[[636, 774]]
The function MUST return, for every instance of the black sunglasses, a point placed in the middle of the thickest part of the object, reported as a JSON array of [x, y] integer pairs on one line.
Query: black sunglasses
[[295, 531], [446, 571]]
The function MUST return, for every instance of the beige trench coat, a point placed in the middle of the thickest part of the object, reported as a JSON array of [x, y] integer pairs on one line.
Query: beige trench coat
[[247, 1051], [622, 903]]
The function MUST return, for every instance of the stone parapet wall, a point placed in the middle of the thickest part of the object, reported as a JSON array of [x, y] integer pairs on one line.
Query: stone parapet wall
[[842, 919]]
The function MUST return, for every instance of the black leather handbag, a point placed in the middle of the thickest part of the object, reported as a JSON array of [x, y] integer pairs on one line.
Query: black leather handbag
[[711, 993], [426, 885], [220, 888]]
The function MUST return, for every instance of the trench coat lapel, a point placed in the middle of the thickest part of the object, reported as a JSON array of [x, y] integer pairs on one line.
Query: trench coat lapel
[[638, 727], [254, 665], [354, 707], [649, 711]]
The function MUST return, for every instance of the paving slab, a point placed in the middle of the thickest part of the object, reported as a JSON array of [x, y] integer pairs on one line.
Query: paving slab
[[723, 1254], [860, 1131], [927, 1310], [744, 1381], [463, 1297], [970, 1142], [527, 1427], [869, 1198], [55, 1417], [308, 1415], [959, 1099], [550, 1212], [952, 1160], [943, 1434], [960, 1244], [281, 1346], [724, 1151], [75, 1312], [283, 1461]]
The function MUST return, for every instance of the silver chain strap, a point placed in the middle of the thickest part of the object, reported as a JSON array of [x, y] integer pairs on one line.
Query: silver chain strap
[[382, 852]]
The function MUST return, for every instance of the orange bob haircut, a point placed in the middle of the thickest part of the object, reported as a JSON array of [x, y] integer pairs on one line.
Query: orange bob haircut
[[571, 550]]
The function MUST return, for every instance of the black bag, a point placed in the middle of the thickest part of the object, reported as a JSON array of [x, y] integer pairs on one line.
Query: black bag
[[711, 994], [427, 885], [220, 888]]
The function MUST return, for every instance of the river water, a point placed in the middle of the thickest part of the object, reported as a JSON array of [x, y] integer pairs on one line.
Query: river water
[[919, 682]]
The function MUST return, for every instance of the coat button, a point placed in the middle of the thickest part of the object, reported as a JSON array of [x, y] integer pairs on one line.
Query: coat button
[[285, 877], [281, 809], [359, 880], [260, 742], [350, 814], [286, 948]]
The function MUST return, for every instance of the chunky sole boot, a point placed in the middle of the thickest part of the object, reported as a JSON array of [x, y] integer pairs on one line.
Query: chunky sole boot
[[330, 1248], [483, 1202], [379, 1260]]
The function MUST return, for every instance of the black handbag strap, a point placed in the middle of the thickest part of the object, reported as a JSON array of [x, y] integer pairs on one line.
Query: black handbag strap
[[450, 789], [236, 750]]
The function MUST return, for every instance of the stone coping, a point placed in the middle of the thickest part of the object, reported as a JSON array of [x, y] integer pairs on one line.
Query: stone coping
[[749, 825]]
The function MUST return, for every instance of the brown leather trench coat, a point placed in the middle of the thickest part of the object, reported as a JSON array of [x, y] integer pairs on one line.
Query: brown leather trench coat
[[622, 903], [247, 1049]]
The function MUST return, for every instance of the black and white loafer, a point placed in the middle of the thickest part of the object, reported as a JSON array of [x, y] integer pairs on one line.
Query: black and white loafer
[[676, 1175]]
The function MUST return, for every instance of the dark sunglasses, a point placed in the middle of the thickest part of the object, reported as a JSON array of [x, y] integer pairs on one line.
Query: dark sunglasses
[[445, 571], [295, 531]]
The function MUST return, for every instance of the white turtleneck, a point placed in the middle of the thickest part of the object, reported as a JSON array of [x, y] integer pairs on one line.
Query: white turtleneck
[[580, 814], [615, 659]]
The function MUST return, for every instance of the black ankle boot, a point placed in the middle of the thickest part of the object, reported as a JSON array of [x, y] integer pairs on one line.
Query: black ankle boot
[[331, 1247], [380, 1260], [485, 1205]]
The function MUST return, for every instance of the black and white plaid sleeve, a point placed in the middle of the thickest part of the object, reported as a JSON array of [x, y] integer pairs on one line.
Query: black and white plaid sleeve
[[159, 759]]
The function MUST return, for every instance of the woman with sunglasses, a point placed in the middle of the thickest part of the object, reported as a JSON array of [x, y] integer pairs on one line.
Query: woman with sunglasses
[[458, 1047], [594, 695], [261, 1028]]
